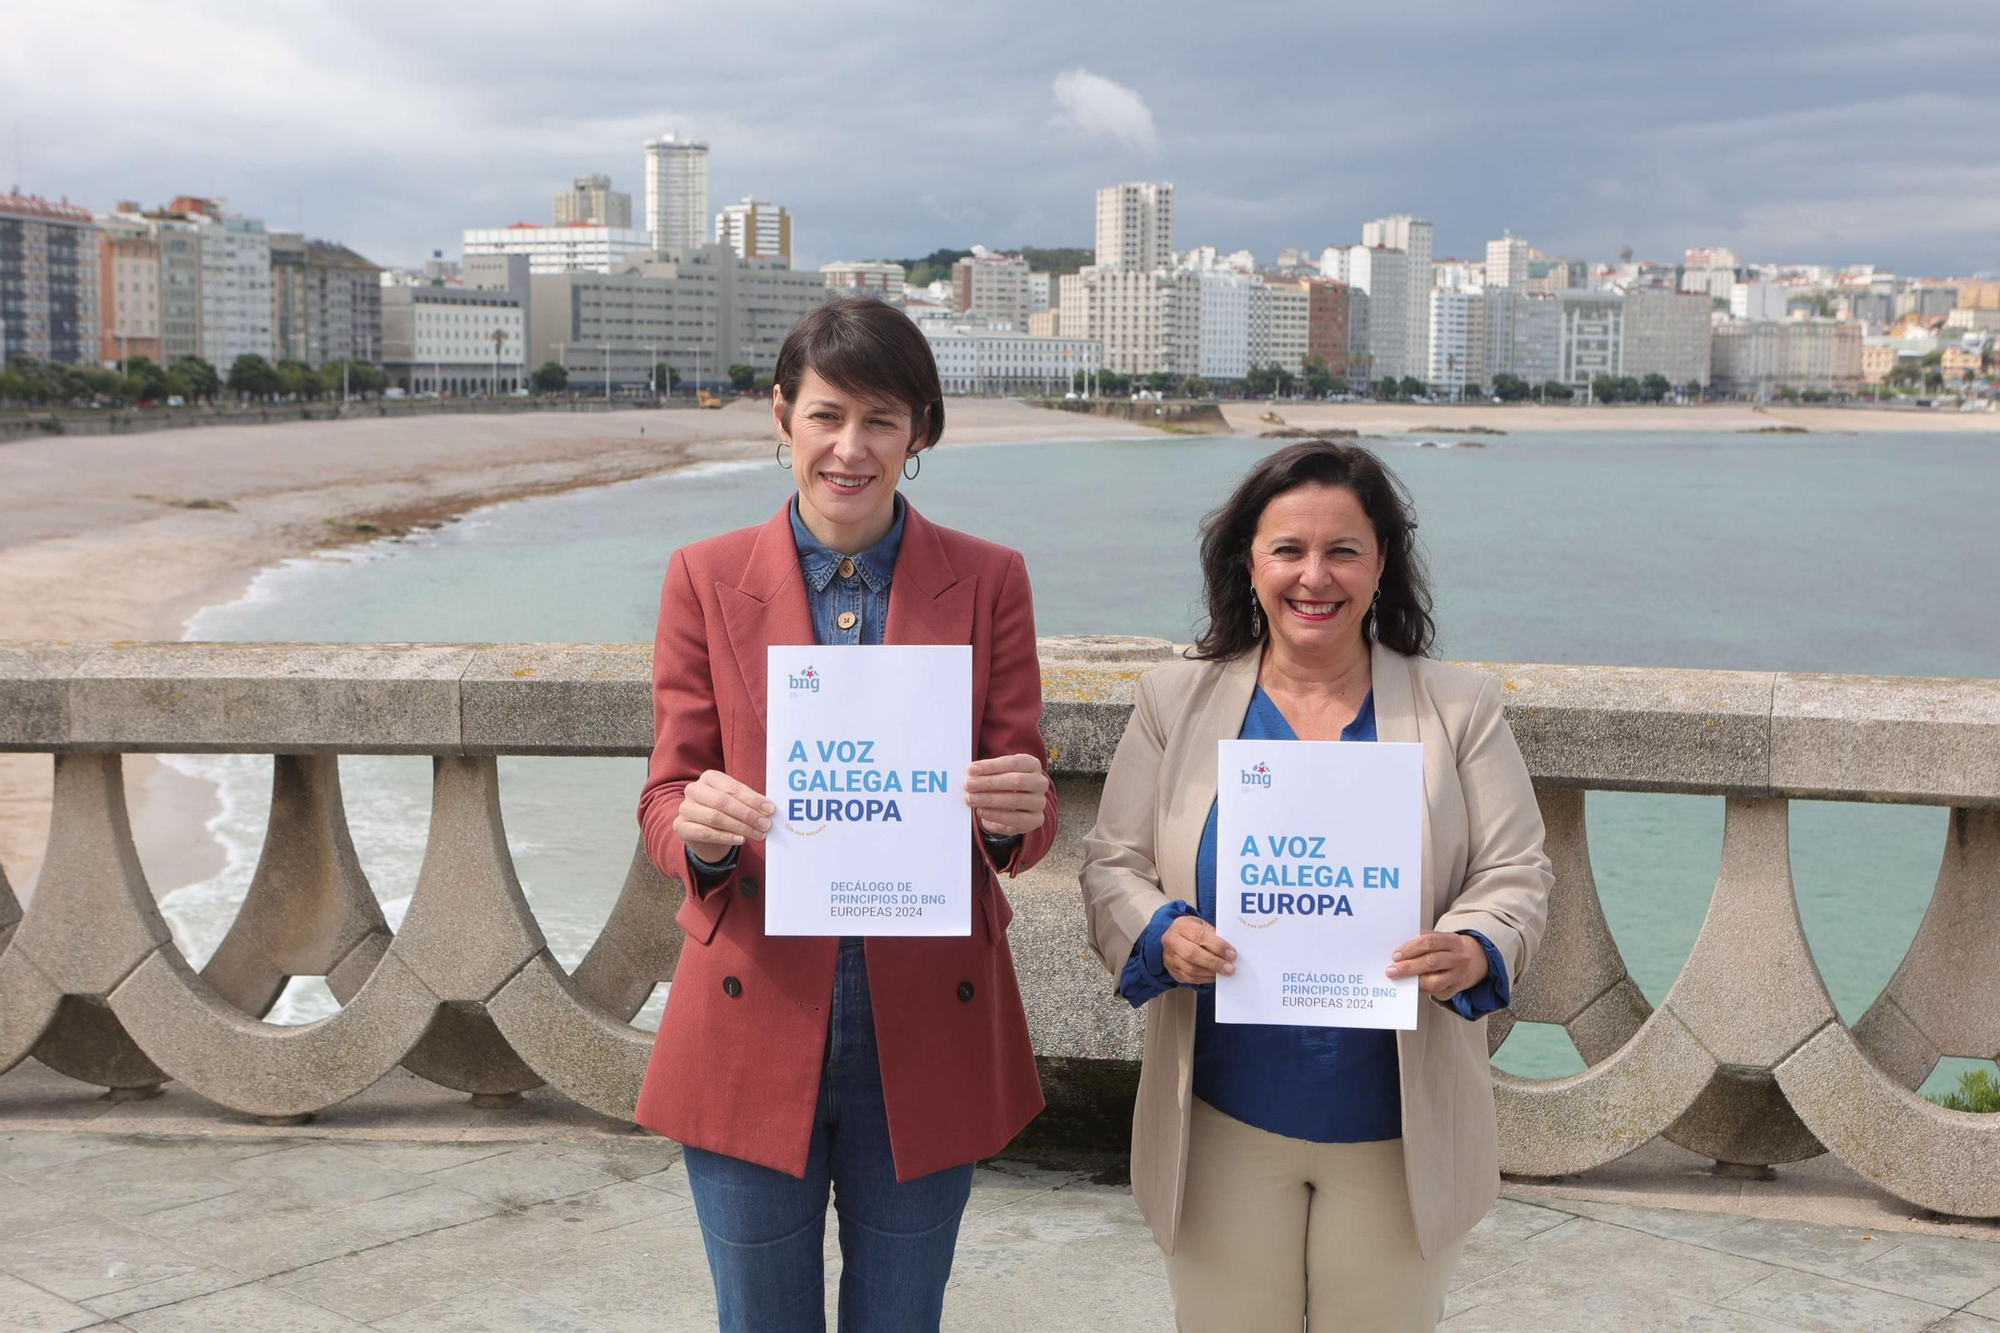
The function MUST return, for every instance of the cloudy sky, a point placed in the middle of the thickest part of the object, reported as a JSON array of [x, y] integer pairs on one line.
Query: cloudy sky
[[1816, 131]]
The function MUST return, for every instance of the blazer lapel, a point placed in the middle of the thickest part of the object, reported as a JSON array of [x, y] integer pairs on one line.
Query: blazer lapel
[[1396, 720], [766, 606], [1219, 717], [928, 601]]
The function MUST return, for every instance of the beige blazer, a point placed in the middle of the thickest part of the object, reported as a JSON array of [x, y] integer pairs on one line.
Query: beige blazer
[[1484, 870]]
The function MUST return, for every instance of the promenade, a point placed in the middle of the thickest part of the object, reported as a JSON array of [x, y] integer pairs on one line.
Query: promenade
[[408, 1210]]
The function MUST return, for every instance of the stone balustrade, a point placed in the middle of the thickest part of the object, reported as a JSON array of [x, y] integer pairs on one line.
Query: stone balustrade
[[1745, 1060]]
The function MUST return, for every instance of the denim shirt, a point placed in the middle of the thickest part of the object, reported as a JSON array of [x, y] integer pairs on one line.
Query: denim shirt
[[1324, 1085], [848, 596]]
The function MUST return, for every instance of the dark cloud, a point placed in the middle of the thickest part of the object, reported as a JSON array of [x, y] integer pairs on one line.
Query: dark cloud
[[1824, 132]]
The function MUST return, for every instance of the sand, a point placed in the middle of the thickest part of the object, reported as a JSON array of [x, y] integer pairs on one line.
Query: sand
[[97, 541]]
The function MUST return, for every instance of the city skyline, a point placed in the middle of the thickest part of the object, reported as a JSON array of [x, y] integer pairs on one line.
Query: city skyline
[[1783, 139]]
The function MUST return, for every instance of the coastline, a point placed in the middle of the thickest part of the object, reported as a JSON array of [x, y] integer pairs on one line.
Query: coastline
[[99, 540]]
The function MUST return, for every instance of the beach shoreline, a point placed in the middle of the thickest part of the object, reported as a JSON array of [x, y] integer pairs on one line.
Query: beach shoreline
[[106, 538]]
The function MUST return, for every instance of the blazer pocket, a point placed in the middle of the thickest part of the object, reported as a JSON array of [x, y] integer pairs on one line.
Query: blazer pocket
[[699, 917]]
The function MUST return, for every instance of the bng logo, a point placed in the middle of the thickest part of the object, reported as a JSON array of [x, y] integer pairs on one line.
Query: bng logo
[[806, 682], [1260, 776]]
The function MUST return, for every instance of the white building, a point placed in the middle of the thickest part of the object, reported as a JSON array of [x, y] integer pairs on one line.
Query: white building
[[756, 229], [1217, 302], [576, 247], [455, 341], [991, 288], [1135, 225], [676, 192], [1757, 301], [1507, 262], [1132, 314], [1279, 323], [857, 277], [1593, 336], [1457, 340], [1758, 360], [235, 286], [1384, 274], [1412, 236], [990, 361]]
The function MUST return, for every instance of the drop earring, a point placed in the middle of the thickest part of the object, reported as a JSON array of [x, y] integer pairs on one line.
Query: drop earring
[[1256, 616]]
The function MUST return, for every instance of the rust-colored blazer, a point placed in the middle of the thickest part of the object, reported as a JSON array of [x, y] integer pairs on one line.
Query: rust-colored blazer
[[736, 1066]]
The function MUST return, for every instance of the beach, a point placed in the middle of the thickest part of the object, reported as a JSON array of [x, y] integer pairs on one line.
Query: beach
[[126, 537]]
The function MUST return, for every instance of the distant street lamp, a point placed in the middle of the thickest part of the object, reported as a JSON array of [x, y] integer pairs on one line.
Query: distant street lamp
[[606, 349]]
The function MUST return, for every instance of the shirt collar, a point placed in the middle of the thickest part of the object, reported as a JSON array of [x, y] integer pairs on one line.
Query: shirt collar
[[819, 562]]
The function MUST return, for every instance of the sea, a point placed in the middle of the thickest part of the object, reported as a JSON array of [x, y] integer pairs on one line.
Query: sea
[[1871, 554]]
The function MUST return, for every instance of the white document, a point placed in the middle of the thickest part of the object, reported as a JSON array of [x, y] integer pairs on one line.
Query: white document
[[1318, 879], [865, 759]]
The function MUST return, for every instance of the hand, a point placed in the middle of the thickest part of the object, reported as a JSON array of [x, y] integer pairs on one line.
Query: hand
[[1443, 963], [1009, 794], [718, 813], [1194, 953]]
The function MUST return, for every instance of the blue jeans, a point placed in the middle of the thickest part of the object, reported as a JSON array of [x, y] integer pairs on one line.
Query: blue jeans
[[766, 1231]]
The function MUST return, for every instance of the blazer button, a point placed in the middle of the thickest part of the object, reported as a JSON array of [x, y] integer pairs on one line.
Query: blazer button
[[747, 886], [731, 987], [965, 992]]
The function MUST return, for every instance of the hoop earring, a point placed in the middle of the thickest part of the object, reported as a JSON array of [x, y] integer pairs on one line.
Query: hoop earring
[[1256, 616], [918, 459], [779, 453]]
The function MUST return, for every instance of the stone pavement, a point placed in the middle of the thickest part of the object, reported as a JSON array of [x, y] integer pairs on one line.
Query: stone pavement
[[580, 1231]]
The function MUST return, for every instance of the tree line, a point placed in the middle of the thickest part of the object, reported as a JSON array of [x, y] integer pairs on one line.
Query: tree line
[[144, 381]]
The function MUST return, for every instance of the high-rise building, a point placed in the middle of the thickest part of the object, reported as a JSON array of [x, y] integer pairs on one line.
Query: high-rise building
[[1385, 275], [676, 192], [577, 247], [1214, 308], [48, 280], [1131, 312], [1135, 225], [235, 281], [1667, 333], [1507, 262], [591, 199], [128, 289], [994, 289], [1457, 339], [1412, 236], [326, 302], [755, 229], [1593, 336], [1041, 293], [1280, 324], [865, 278], [1538, 337]]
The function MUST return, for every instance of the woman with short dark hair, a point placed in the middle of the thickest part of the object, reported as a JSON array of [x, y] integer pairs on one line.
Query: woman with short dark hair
[[791, 1066], [1324, 1176]]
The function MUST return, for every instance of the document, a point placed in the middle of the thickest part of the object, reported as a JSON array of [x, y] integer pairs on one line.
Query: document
[[1318, 878], [865, 759]]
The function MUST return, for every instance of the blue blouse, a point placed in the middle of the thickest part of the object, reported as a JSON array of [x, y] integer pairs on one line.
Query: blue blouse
[[1324, 1085]]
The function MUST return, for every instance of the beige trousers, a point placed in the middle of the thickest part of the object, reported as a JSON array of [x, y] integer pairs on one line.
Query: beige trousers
[[1278, 1234]]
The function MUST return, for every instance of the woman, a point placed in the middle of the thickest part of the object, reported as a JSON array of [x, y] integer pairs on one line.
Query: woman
[[1293, 1173], [790, 1065]]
